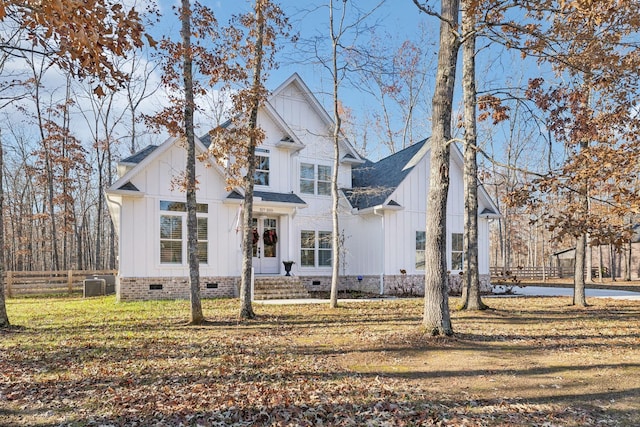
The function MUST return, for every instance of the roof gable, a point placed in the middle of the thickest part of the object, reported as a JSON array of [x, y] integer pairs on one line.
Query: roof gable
[[146, 156], [296, 81]]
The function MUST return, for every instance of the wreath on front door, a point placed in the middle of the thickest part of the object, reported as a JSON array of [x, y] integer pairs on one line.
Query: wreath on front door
[[270, 237], [256, 236]]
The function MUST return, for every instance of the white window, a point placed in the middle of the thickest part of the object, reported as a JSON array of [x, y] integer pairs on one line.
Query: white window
[[171, 239], [421, 238], [315, 179], [315, 248], [324, 180], [203, 240], [173, 232], [261, 176], [457, 251], [307, 178]]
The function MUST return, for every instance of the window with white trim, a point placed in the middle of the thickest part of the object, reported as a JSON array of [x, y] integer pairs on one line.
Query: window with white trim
[[421, 238], [173, 232], [315, 179], [171, 239], [324, 180], [203, 240], [261, 176], [457, 251], [315, 248]]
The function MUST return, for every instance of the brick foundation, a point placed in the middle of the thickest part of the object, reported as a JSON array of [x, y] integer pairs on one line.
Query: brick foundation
[[400, 284], [155, 288]]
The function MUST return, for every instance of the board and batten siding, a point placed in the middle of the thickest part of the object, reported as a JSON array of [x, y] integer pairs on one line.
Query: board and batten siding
[[363, 241], [140, 220]]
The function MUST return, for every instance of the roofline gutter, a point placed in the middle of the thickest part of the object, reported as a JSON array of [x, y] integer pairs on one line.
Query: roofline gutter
[[490, 216], [257, 201], [129, 193], [374, 209]]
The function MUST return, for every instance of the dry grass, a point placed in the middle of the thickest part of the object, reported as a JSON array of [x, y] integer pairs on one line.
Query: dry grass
[[527, 361]]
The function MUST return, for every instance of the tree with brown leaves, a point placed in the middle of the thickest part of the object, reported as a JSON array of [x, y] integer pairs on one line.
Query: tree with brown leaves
[[594, 48], [78, 36], [201, 53], [234, 145]]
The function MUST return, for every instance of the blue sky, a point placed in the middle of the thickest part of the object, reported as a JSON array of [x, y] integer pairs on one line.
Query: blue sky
[[394, 21]]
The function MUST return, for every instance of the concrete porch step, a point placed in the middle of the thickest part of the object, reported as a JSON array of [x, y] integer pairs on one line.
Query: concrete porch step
[[279, 287]]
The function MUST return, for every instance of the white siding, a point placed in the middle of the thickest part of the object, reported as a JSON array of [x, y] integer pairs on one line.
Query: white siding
[[375, 243]]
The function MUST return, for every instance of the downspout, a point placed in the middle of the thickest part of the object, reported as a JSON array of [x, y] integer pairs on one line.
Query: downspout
[[381, 215]]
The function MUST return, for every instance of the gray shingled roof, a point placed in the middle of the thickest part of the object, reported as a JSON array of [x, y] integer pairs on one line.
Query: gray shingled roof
[[205, 139], [140, 155], [267, 196], [374, 182]]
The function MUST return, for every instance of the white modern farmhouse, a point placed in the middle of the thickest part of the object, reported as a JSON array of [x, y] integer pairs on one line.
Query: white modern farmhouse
[[382, 211]]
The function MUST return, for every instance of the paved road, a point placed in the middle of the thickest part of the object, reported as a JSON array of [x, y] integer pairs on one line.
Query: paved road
[[524, 291], [551, 291]]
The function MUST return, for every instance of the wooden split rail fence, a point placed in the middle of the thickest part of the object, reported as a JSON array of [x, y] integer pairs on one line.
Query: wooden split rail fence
[[17, 283], [498, 273]]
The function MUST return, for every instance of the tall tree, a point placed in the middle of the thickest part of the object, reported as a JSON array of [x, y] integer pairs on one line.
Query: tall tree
[[81, 37], [336, 27], [341, 53], [197, 317], [4, 317], [592, 111], [256, 96], [254, 37], [436, 316], [471, 299]]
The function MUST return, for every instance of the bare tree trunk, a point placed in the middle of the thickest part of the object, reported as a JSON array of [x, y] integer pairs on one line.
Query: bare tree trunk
[[471, 299], [436, 317], [4, 318], [197, 317], [581, 249], [335, 242], [589, 261], [600, 265], [612, 263], [578, 275], [246, 309], [627, 262], [627, 257]]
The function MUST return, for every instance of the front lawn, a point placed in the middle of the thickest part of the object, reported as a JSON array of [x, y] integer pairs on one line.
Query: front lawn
[[528, 361]]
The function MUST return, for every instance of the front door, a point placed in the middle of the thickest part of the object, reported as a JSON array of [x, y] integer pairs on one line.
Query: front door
[[265, 246]]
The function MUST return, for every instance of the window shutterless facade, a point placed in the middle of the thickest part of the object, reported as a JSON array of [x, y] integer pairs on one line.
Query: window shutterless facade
[[315, 248], [457, 251], [324, 180], [170, 239], [173, 232], [421, 238], [315, 179], [261, 176]]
